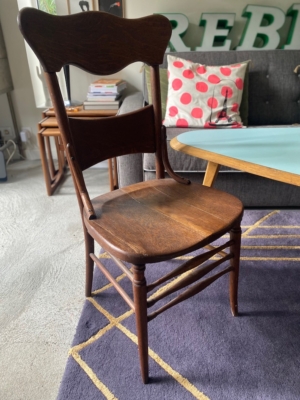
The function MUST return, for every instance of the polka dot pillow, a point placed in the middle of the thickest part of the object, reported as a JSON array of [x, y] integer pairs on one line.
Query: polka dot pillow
[[201, 96]]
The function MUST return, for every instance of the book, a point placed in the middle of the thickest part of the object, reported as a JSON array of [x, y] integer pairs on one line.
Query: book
[[99, 107], [107, 89], [92, 101], [102, 82], [99, 97]]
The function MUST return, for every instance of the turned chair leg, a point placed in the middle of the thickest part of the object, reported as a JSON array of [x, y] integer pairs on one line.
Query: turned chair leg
[[89, 263], [140, 302], [235, 235]]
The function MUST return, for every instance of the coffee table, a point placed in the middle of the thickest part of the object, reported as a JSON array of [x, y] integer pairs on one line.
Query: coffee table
[[271, 152]]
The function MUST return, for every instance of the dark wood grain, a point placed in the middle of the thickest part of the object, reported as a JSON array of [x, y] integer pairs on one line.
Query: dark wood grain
[[190, 264], [97, 139], [235, 236], [140, 295], [151, 221], [97, 42]]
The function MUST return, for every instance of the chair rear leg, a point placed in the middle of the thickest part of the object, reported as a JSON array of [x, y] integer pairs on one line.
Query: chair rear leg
[[89, 263], [235, 235], [140, 302]]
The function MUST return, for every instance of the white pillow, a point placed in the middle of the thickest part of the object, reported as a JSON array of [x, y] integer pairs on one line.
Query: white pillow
[[201, 96]]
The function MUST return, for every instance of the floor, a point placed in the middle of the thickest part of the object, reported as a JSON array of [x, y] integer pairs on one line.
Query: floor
[[42, 279]]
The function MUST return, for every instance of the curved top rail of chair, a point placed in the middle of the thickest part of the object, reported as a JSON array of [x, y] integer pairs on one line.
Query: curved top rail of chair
[[71, 32]]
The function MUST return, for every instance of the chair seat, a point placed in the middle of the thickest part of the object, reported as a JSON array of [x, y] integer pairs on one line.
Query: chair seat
[[160, 219]]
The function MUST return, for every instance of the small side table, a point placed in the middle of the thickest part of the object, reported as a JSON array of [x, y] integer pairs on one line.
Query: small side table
[[48, 129]]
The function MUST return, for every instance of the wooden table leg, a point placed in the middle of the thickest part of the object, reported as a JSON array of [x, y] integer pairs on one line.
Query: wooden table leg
[[113, 174], [116, 181], [60, 154], [110, 175], [52, 177], [45, 166], [50, 158], [211, 173]]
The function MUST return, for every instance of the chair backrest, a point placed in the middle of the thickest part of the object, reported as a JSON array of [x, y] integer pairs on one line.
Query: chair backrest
[[101, 44]]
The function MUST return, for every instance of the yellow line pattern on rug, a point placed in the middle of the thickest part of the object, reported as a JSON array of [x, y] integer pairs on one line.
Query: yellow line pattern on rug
[[179, 378], [90, 373], [116, 322], [272, 236], [109, 285], [273, 226], [176, 375], [260, 221], [269, 259], [271, 247]]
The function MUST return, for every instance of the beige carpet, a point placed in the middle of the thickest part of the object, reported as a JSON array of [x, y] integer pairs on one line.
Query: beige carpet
[[41, 279]]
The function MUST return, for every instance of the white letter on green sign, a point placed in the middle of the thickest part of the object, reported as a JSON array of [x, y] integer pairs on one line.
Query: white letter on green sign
[[179, 24], [293, 40], [216, 28], [255, 28]]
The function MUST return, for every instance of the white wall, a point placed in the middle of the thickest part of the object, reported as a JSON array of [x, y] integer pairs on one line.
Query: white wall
[[26, 111]]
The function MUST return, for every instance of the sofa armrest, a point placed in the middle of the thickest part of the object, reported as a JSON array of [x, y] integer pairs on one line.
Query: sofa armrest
[[130, 167], [132, 102]]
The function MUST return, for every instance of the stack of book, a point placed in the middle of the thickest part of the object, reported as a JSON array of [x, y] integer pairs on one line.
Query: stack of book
[[104, 94]]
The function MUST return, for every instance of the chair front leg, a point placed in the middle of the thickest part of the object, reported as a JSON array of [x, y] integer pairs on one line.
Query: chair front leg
[[235, 235], [89, 263], [140, 303]]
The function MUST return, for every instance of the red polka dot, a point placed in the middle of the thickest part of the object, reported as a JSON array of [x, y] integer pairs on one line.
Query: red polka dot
[[226, 90], [201, 69], [235, 107], [178, 64], [177, 84], [173, 111], [213, 79], [225, 71], [197, 112], [236, 125], [168, 74], [212, 102], [188, 74], [201, 87], [239, 83], [210, 125], [186, 98], [236, 65], [182, 123]]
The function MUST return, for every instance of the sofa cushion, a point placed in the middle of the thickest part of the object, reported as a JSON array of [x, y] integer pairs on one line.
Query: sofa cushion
[[204, 96], [163, 74]]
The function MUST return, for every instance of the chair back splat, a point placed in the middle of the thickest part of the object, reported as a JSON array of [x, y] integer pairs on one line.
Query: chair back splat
[[150, 221]]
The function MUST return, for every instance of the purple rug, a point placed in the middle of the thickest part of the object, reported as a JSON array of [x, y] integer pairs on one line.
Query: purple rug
[[197, 349]]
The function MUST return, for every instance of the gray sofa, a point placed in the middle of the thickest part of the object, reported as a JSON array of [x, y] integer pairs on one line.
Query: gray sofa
[[273, 99]]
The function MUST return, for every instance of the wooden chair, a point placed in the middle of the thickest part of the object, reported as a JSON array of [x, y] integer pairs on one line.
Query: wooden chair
[[151, 221]]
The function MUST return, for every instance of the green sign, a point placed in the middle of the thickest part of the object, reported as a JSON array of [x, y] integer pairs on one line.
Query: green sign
[[262, 26]]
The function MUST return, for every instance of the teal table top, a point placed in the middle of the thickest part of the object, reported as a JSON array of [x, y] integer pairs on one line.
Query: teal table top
[[277, 148]]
